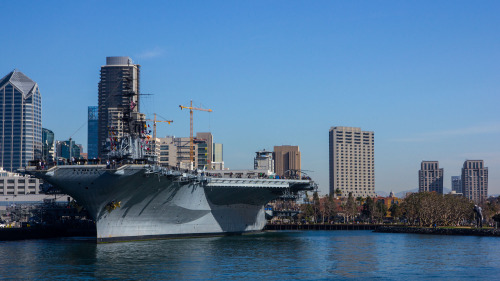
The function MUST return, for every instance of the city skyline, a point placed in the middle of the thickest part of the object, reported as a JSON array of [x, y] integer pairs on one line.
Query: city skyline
[[423, 76]]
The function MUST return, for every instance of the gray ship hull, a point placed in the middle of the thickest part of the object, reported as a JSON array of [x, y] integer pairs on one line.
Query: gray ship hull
[[136, 202]]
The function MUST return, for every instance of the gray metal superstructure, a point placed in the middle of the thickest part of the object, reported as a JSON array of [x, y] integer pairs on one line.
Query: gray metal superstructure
[[135, 202]]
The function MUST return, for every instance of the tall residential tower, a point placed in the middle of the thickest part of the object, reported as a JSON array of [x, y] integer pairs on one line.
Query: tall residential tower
[[118, 102], [456, 184], [430, 177], [20, 121], [475, 180], [352, 162]]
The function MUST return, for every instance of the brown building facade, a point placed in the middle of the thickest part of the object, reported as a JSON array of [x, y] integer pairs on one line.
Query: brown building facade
[[287, 160]]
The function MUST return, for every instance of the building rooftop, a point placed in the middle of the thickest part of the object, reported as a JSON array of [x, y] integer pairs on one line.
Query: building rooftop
[[20, 81]]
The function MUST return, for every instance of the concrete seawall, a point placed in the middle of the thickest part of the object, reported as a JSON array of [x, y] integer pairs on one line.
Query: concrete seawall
[[321, 226], [440, 231]]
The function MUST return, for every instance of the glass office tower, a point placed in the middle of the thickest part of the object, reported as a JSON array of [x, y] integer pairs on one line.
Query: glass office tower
[[48, 145], [92, 136], [20, 121]]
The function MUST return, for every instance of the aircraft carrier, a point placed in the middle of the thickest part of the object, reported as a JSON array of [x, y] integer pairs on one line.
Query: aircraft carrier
[[142, 201], [139, 199]]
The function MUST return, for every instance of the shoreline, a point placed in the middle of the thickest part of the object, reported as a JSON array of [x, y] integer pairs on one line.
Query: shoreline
[[440, 231]]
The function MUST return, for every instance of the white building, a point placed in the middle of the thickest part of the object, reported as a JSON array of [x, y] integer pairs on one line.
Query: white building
[[352, 161], [264, 161]]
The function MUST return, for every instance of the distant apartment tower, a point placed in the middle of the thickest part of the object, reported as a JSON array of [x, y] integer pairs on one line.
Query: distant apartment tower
[[456, 184], [48, 145], [205, 151], [118, 101], [287, 160], [218, 152], [92, 134], [430, 177], [21, 121], [218, 157], [264, 161], [475, 180], [352, 162]]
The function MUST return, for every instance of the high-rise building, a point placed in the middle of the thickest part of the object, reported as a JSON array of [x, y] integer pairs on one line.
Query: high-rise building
[[202, 157], [264, 161], [205, 151], [68, 149], [287, 161], [218, 153], [92, 135], [352, 162], [475, 180], [456, 184], [118, 112], [48, 143], [218, 157], [21, 121], [430, 177]]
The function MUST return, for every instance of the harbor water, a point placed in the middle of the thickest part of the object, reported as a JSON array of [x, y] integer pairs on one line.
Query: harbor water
[[281, 255]]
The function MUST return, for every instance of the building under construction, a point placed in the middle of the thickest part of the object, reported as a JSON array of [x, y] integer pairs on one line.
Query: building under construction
[[119, 103]]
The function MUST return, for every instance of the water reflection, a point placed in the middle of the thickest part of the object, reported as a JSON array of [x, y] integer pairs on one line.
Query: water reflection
[[269, 256]]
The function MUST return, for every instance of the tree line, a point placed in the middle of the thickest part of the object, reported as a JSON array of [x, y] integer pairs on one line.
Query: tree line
[[417, 209]]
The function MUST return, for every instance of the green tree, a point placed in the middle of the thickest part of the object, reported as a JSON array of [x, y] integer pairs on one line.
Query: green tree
[[359, 200], [330, 208], [368, 207], [350, 207], [395, 210], [307, 212], [316, 207], [380, 210]]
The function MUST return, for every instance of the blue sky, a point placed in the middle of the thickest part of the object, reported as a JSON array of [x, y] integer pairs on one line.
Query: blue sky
[[423, 75]]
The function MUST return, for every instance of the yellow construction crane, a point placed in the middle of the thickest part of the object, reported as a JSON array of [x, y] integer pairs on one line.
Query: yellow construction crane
[[191, 146], [154, 125]]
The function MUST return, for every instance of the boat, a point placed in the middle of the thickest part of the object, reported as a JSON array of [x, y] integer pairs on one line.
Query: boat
[[146, 201]]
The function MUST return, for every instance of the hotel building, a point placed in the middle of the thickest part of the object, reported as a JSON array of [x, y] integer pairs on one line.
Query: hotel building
[[352, 162]]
